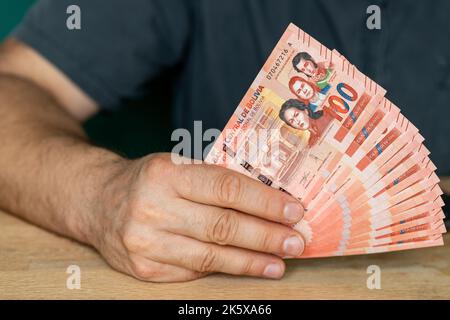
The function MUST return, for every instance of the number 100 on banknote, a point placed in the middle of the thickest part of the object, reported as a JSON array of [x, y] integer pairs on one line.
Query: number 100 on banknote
[[301, 111]]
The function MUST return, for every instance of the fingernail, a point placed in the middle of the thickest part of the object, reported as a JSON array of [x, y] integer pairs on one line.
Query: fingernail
[[293, 246], [293, 211], [274, 271]]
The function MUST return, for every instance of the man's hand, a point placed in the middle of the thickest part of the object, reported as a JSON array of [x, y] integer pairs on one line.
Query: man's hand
[[165, 222], [149, 218]]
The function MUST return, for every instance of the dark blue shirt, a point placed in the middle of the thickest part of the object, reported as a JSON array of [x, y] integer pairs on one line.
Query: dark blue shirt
[[216, 48]]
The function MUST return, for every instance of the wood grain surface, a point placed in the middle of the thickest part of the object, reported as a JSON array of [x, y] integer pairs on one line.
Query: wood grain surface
[[33, 264]]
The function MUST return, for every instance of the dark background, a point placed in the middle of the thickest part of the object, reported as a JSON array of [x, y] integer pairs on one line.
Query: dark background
[[132, 131]]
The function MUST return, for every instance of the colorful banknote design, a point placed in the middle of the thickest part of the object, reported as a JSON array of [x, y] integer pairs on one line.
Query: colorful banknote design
[[314, 126]]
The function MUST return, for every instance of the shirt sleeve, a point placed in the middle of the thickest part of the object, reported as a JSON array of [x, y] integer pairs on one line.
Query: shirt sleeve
[[121, 44]]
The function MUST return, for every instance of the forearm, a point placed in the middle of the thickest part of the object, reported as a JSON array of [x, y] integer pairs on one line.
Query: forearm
[[49, 173]]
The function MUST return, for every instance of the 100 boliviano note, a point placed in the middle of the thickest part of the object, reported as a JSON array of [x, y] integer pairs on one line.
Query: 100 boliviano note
[[301, 98], [314, 126]]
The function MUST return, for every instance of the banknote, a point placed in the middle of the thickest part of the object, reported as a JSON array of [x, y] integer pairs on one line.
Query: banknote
[[402, 223], [372, 208], [354, 187], [354, 130], [430, 225], [339, 236], [422, 242], [316, 127], [340, 168], [407, 172], [299, 103], [356, 182], [344, 206]]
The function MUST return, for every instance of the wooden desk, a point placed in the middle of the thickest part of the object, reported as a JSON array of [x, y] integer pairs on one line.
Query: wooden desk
[[33, 265]]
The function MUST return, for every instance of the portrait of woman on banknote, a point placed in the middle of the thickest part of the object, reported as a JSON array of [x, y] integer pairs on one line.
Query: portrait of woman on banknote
[[298, 115]]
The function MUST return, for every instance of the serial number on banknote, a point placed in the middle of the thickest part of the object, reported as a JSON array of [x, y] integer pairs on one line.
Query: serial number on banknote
[[277, 64]]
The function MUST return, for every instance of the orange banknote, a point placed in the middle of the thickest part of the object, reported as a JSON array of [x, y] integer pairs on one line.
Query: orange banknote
[[314, 126]]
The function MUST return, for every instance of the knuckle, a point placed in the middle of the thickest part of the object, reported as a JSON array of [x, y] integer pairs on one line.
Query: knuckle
[[130, 241], [267, 204], [228, 188], [133, 242], [140, 208], [144, 272], [224, 228], [247, 267], [136, 208], [265, 241], [208, 261], [155, 165]]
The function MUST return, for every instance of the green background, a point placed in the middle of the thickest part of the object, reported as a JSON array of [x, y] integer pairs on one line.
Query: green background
[[139, 128], [11, 11]]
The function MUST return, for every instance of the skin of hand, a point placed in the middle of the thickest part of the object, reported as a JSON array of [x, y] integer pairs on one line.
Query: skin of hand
[[150, 218], [163, 222]]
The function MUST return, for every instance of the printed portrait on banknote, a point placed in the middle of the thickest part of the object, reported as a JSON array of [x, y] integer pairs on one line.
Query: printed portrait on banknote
[[276, 133], [313, 125]]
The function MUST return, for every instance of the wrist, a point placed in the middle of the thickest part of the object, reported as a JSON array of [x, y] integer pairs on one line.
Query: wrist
[[88, 224]]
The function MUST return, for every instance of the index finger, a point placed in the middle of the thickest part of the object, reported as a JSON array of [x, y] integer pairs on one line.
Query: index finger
[[214, 185]]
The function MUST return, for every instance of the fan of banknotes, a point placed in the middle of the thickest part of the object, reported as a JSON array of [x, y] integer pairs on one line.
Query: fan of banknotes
[[314, 126]]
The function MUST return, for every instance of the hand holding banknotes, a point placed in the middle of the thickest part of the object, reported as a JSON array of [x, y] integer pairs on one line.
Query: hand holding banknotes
[[339, 146], [311, 125], [167, 222]]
